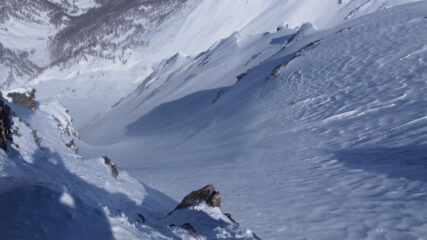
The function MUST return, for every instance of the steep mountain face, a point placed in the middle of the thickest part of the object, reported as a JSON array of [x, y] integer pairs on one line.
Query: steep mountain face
[[42, 37], [83, 29], [109, 30], [77, 7], [48, 191], [309, 128], [182, 74], [16, 64], [95, 55], [39, 11], [308, 115], [25, 27]]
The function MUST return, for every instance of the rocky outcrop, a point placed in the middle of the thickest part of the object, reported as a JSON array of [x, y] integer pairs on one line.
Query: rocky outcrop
[[281, 67], [36, 137], [199, 216], [230, 217], [5, 125], [64, 123], [309, 46], [26, 100], [112, 166], [343, 30], [214, 199], [73, 146], [206, 194]]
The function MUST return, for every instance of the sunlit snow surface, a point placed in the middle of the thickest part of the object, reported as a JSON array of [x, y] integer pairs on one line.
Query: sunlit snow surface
[[330, 146], [84, 83], [312, 131], [48, 192]]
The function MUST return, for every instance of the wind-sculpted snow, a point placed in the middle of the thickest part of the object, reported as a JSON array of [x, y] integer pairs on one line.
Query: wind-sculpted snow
[[309, 130], [309, 135], [115, 45], [145, 32]]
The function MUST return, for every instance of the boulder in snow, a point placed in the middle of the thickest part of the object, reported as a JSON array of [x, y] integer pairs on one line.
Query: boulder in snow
[[206, 194], [112, 166], [26, 99]]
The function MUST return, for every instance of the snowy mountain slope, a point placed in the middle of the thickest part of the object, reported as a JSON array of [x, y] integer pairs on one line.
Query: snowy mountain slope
[[107, 31], [47, 191], [180, 76], [26, 28], [311, 132], [77, 7], [322, 138], [99, 54], [90, 57], [15, 64], [194, 32]]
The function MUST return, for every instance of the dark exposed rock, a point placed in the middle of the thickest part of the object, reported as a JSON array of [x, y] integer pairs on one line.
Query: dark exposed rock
[[112, 166], [279, 68], [36, 137], [15, 131], [141, 218], [309, 46], [206, 194], [282, 26], [5, 125], [26, 100], [66, 127], [72, 145], [343, 30], [214, 199], [229, 217], [218, 95], [240, 76]]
